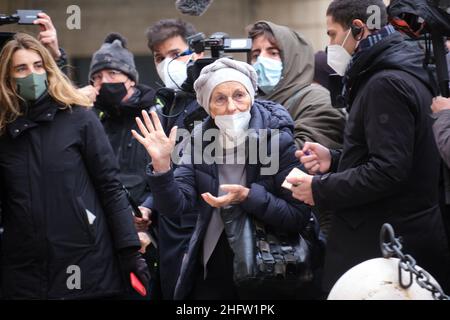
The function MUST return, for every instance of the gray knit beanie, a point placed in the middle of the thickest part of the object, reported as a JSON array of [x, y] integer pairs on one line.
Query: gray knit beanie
[[224, 70], [113, 54]]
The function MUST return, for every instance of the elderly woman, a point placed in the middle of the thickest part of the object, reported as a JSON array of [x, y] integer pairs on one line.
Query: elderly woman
[[223, 190]]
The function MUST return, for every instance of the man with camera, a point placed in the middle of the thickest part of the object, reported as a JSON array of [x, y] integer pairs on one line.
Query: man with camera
[[167, 40], [388, 170]]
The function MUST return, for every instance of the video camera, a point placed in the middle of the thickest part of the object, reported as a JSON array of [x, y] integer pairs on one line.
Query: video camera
[[23, 17], [218, 44], [169, 102], [427, 20]]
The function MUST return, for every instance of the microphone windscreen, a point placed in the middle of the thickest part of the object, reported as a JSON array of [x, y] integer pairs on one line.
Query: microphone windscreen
[[193, 7]]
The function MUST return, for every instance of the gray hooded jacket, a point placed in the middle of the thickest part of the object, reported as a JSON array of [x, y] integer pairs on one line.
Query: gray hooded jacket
[[308, 104]]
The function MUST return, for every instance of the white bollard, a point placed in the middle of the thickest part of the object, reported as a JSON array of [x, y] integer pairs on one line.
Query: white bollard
[[378, 279]]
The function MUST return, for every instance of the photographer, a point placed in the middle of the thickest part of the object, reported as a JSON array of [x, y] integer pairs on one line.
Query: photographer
[[166, 40], [388, 170]]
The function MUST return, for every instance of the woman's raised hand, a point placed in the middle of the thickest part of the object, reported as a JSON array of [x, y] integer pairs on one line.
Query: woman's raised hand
[[155, 141]]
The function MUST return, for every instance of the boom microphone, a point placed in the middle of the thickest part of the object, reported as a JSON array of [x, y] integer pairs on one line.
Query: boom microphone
[[193, 7]]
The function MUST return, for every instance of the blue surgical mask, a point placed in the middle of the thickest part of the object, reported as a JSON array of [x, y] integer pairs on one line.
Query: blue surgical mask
[[269, 73]]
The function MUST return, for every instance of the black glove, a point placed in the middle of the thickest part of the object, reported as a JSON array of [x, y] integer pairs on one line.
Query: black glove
[[132, 261]]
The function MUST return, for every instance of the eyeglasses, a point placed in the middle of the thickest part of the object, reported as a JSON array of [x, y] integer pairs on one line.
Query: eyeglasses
[[221, 100], [109, 75]]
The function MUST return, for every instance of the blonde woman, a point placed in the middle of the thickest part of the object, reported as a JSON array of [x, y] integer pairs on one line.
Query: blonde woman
[[68, 231]]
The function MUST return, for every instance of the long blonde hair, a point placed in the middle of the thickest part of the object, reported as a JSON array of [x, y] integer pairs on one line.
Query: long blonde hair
[[59, 86]]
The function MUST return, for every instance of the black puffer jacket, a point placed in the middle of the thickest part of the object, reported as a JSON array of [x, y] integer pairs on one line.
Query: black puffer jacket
[[62, 206], [131, 155]]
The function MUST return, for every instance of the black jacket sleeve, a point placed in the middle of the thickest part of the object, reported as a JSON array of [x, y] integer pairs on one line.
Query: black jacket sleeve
[[335, 158], [148, 202], [103, 169], [174, 192], [389, 127]]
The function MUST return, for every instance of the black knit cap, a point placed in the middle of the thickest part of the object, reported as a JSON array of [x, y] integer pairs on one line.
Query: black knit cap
[[113, 54]]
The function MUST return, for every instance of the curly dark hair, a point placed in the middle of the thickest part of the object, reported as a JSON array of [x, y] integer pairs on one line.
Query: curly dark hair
[[345, 11], [166, 29]]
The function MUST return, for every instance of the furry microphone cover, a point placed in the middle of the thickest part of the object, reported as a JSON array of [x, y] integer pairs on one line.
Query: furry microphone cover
[[193, 7]]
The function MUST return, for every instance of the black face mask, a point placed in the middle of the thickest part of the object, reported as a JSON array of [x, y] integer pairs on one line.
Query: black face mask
[[111, 95]]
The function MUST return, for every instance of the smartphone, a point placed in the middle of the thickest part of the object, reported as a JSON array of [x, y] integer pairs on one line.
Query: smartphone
[[27, 16], [137, 285], [137, 213], [133, 204]]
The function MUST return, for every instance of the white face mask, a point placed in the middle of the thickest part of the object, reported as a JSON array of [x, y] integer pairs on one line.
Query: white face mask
[[232, 128], [172, 73], [338, 58]]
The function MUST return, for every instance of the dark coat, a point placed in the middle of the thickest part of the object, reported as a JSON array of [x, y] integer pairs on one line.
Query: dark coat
[[388, 170], [118, 122], [55, 165], [179, 192]]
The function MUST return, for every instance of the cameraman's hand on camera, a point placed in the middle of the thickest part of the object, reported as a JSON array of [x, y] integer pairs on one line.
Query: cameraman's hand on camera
[[155, 141], [315, 157], [440, 103], [48, 36], [143, 223], [90, 92]]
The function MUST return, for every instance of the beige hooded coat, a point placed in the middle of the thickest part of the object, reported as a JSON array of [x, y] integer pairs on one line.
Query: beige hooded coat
[[308, 104]]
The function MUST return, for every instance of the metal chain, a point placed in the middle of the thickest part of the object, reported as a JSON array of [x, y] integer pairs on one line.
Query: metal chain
[[393, 248]]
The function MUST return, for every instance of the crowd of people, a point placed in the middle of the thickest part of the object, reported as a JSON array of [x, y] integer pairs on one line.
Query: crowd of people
[[75, 161]]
